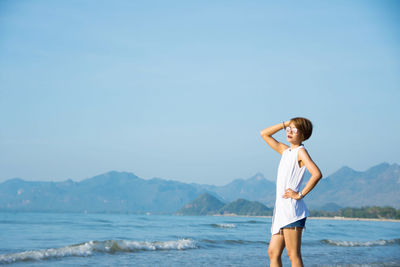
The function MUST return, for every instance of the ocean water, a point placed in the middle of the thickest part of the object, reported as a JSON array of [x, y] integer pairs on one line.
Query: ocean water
[[66, 239]]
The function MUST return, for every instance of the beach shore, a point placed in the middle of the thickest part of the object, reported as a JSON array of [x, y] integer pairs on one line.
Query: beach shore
[[317, 218], [353, 219]]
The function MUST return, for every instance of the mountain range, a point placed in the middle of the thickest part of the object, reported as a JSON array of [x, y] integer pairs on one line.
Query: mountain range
[[125, 192], [377, 186], [206, 204]]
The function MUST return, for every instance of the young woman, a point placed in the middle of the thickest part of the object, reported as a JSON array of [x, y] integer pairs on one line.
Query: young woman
[[290, 211]]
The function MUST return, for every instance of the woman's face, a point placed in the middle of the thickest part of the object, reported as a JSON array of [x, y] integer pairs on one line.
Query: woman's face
[[293, 134]]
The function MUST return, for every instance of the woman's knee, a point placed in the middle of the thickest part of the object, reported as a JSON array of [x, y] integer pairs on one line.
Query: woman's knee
[[276, 246], [274, 253], [294, 255]]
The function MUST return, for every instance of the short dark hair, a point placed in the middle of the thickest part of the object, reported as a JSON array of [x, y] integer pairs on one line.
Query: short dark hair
[[304, 125]]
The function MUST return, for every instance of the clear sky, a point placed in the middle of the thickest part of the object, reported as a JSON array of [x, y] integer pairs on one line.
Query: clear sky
[[181, 89]]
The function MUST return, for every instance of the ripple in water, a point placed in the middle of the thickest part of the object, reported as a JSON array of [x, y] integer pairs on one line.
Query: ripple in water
[[224, 225]]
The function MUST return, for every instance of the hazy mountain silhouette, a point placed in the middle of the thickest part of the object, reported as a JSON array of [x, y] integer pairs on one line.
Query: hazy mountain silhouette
[[246, 207], [205, 204], [379, 186], [125, 192]]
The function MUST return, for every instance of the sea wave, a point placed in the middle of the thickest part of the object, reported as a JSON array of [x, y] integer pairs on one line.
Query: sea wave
[[380, 242], [223, 225], [254, 221], [88, 248], [248, 222], [229, 242]]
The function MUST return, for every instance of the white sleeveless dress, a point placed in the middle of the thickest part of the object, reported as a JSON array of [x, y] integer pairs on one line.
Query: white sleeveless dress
[[290, 175]]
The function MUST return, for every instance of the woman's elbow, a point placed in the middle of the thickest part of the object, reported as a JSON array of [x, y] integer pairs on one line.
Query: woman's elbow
[[264, 133], [316, 176]]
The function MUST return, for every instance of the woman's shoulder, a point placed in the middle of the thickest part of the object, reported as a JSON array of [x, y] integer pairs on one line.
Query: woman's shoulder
[[301, 148], [302, 151]]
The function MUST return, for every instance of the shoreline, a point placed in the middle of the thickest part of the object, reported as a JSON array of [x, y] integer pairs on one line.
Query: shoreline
[[336, 218]]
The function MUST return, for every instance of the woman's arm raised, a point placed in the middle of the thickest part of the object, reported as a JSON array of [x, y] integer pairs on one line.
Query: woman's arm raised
[[272, 142]]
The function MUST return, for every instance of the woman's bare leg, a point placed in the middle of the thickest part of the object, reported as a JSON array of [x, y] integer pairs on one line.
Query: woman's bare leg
[[275, 249], [292, 238]]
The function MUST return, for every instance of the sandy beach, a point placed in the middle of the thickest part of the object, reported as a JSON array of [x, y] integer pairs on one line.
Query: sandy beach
[[317, 218]]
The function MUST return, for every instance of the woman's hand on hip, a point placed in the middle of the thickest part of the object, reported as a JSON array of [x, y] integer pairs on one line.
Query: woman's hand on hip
[[289, 193]]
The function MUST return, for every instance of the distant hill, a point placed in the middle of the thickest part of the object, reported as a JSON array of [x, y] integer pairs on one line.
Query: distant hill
[[330, 207], [364, 212], [246, 207], [125, 192], [377, 186], [122, 192], [207, 204], [109, 192], [256, 188]]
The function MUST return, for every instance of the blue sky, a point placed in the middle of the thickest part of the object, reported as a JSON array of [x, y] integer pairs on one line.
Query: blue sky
[[181, 89]]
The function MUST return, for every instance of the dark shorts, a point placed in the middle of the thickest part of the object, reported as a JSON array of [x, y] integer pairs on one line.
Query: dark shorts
[[299, 223]]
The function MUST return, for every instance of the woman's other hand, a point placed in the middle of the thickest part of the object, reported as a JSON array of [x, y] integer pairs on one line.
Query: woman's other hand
[[289, 193]]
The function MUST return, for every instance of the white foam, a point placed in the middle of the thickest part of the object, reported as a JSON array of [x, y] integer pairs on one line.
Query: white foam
[[78, 250], [126, 245], [359, 244], [87, 249]]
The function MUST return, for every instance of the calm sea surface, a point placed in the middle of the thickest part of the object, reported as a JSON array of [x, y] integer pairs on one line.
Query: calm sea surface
[[60, 239]]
